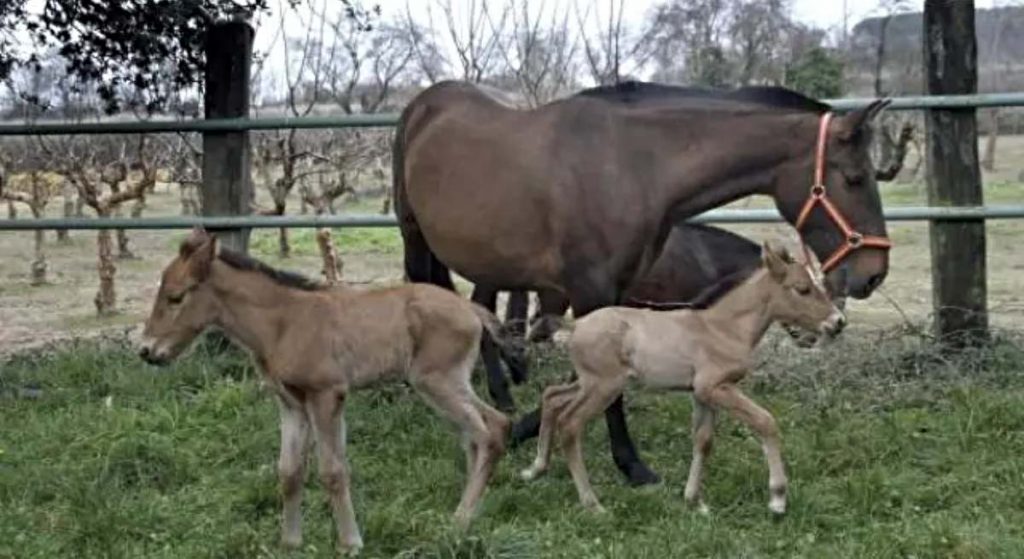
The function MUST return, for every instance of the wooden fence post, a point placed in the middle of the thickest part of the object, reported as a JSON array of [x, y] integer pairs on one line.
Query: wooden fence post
[[227, 183], [959, 293]]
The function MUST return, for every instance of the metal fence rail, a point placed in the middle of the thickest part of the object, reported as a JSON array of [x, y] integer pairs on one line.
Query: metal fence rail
[[912, 213], [389, 119]]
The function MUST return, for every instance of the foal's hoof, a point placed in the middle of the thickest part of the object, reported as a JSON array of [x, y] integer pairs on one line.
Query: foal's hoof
[[291, 543], [639, 474], [531, 473], [595, 508], [777, 505]]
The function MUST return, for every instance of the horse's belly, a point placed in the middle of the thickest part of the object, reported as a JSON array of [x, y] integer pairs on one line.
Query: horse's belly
[[485, 229]]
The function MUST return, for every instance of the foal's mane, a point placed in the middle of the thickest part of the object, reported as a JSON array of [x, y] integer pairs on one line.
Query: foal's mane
[[246, 263], [706, 298], [638, 92]]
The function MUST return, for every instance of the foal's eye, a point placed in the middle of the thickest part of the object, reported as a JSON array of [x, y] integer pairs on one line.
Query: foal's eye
[[802, 290]]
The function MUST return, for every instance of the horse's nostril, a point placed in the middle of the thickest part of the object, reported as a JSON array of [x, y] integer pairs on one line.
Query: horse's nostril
[[144, 353], [875, 281]]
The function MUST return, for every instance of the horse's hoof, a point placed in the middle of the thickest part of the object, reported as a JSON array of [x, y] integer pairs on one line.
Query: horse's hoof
[[639, 474], [351, 550], [531, 473], [777, 505], [291, 543], [506, 407]]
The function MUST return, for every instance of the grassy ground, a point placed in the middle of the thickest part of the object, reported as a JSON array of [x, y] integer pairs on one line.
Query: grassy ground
[[892, 452]]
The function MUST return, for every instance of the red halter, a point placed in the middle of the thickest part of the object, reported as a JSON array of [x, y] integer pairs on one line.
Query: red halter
[[819, 197]]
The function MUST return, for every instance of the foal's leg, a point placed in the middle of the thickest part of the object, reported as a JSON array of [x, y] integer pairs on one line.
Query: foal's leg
[[291, 468], [729, 397], [590, 401], [703, 430], [452, 395], [326, 411], [555, 400]]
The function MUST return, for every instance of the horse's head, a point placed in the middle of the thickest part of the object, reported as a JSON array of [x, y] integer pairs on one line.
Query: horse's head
[[794, 298], [831, 196], [185, 304]]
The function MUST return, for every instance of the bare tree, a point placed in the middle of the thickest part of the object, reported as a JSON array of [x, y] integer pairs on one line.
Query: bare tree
[[614, 51], [540, 53], [24, 180], [77, 158]]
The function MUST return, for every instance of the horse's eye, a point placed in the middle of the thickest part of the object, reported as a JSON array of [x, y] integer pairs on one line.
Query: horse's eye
[[802, 290], [176, 299]]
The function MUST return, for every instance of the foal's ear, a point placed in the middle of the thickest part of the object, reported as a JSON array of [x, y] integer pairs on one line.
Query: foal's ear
[[852, 124], [774, 260], [197, 238], [200, 261]]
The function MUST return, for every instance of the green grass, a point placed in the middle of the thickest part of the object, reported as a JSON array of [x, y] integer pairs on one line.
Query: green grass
[[893, 451]]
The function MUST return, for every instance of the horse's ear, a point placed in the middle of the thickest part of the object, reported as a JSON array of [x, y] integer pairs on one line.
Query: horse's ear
[[200, 261], [852, 124], [195, 239], [774, 260]]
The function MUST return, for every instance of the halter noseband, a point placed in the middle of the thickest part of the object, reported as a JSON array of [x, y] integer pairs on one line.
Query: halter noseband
[[819, 197]]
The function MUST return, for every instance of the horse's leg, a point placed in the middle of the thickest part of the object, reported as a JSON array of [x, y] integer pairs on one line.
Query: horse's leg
[[516, 313], [555, 399], [326, 412], [548, 318], [497, 384], [729, 397], [291, 468], [703, 429]]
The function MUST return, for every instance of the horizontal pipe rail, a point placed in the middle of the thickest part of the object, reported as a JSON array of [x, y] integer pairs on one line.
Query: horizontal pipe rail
[[389, 119], [912, 213]]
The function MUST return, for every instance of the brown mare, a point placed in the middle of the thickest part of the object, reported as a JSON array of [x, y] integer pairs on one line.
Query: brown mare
[[704, 351], [578, 196], [694, 258], [316, 344]]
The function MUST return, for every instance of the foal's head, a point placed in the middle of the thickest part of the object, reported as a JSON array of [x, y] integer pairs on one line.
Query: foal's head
[[795, 298], [185, 303]]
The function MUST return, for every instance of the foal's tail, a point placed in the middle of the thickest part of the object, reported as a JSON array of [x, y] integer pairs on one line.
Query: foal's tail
[[511, 352]]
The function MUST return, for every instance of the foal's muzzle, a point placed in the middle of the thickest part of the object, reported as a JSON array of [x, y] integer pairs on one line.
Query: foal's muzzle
[[834, 324]]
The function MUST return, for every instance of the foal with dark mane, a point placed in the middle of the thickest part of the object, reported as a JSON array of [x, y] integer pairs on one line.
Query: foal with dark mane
[[578, 196], [316, 344]]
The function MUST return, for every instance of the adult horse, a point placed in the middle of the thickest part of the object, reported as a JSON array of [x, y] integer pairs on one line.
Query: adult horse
[[578, 196]]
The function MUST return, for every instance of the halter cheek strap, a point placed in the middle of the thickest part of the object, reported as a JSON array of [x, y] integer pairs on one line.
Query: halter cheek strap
[[854, 239]]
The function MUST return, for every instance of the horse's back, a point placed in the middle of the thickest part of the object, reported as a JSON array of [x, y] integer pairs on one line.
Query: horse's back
[[479, 180]]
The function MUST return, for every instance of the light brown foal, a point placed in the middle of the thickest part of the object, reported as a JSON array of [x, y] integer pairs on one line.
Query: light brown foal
[[706, 351], [316, 344]]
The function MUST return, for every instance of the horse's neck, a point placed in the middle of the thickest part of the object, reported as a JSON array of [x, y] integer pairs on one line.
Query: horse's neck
[[712, 158], [743, 313], [251, 307]]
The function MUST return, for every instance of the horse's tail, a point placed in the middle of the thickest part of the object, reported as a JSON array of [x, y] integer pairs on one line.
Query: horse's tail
[[511, 352], [421, 264]]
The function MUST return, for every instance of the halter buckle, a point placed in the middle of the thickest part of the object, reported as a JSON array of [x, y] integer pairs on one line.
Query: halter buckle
[[855, 240], [817, 191]]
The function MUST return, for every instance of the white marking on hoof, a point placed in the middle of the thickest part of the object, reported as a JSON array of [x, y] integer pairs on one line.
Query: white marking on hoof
[[777, 505], [528, 474]]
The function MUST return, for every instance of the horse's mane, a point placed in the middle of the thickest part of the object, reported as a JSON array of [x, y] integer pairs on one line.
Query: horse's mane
[[706, 298], [244, 262], [637, 92]]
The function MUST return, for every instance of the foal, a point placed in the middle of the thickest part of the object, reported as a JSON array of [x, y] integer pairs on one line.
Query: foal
[[706, 351], [316, 344]]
